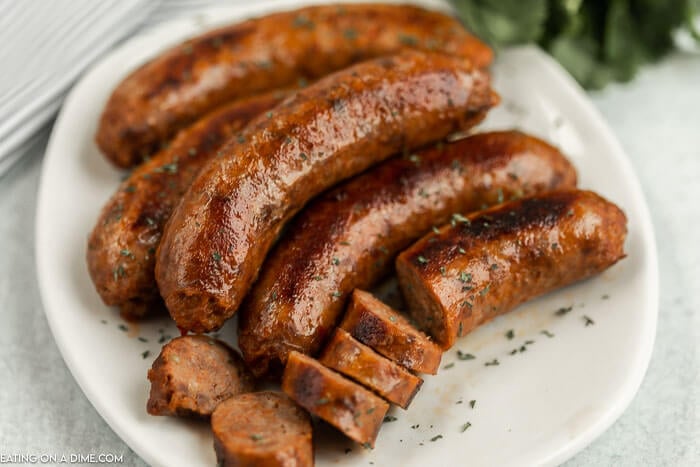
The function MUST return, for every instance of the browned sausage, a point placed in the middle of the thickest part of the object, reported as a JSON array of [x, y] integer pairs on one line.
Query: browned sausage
[[218, 236], [377, 325], [262, 429], [349, 237], [487, 263], [122, 245], [357, 361], [193, 374], [347, 406], [258, 55]]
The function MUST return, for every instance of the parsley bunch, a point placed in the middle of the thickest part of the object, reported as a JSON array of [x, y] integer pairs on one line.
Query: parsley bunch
[[598, 41]]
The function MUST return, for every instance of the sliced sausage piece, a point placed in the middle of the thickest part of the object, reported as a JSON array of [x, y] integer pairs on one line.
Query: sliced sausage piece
[[262, 429], [189, 80], [384, 329], [349, 237], [487, 263], [352, 409], [219, 235], [121, 249], [357, 361], [193, 374]]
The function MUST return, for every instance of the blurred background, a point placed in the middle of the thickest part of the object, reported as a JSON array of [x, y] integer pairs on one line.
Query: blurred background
[[639, 61]]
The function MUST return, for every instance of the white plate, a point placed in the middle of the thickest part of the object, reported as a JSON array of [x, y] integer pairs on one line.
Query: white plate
[[537, 407]]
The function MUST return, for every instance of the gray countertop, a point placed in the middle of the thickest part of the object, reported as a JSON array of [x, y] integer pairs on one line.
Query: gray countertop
[[657, 119]]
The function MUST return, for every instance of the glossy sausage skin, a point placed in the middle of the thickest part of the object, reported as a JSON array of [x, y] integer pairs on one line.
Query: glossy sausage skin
[[476, 269], [348, 238], [346, 355], [258, 55], [262, 429], [122, 245], [217, 238], [193, 374], [349, 407], [384, 329]]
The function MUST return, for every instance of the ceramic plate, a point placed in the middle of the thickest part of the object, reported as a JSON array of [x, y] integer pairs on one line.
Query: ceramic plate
[[570, 377]]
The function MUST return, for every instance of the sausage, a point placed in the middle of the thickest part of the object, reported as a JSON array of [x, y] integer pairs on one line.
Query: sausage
[[258, 55], [262, 429], [352, 409], [193, 374], [379, 326], [489, 262], [355, 360], [121, 247], [349, 237], [218, 236]]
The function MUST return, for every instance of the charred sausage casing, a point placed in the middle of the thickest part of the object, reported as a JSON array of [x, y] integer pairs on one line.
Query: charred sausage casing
[[348, 238], [258, 55], [122, 245], [217, 238], [487, 263]]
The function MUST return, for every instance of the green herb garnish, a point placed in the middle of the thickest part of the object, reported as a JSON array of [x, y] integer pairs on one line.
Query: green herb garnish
[[596, 41], [465, 356]]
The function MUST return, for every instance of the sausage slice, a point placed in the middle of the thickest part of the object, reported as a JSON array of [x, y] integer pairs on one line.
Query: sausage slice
[[357, 361], [487, 263], [262, 429], [384, 329], [193, 374], [347, 406]]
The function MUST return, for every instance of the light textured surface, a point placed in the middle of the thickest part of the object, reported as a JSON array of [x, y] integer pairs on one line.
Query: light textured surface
[[42, 410]]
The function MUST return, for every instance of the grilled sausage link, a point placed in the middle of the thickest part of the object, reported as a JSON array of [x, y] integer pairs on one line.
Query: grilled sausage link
[[122, 245], [490, 262], [218, 236], [348, 238], [262, 429], [258, 55]]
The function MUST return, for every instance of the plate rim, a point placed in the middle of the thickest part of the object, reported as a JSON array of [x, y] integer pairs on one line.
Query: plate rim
[[553, 69]]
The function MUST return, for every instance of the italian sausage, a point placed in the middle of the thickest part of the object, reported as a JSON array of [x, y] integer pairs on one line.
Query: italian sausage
[[258, 55], [262, 429], [349, 238], [121, 247], [355, 360], [377, 325], [193, 374], [349, 407], [489, 262], [219, 234]]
